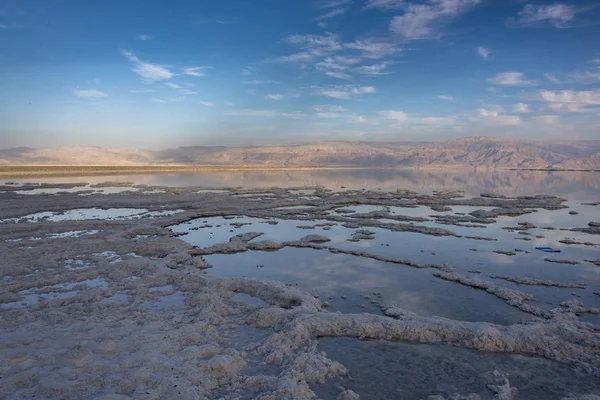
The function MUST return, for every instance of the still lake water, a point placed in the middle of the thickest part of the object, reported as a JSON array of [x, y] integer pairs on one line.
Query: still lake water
[[400, 370], [581, 186]]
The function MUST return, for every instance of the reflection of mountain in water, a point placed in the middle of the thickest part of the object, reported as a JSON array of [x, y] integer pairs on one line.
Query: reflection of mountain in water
[[579, 185]]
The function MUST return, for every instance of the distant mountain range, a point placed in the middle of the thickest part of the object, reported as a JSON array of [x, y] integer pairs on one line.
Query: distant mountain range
[[469, 152]]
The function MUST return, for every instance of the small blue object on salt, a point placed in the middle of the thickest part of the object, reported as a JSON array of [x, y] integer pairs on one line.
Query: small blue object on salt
[[547, 249]]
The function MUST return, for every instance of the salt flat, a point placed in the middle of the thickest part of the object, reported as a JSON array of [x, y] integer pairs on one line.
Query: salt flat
[[193, 292]]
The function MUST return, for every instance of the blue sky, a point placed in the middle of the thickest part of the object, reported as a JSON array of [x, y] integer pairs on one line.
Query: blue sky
[[157, 74]]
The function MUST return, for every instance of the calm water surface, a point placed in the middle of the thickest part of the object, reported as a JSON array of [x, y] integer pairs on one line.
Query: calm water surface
[[353, 284], [577, 185]]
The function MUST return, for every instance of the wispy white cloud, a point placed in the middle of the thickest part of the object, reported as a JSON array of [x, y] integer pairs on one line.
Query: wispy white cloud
[[315, 47], [180, 89], [334, 3], [586, 76], [343, 91], [178, 99], [330, 14], [12, 26], [207, 103], [89, 93], [95, 81], [546, 119], [301, 57], [484, 52], [274, 96], [375, 69], [398, 116], [493, 111], [172, 85], [328, 111], [225, 21], [294, 115], [327, 42], [357, 119], [495, 116], [423, 21], [186, 92], [15, 17], [141, 90], [253, 113], [195, 71], [330, 115], [265, 113], [521, 108], [335, 66], [334, 58], [328, 108], [385, 4], [155, 100], [438, 121], [363, 89], [149, 72], [249, 71], [445, 97], [590, 97], [144, 37], [591, 75], [567, 107], [511, 79], [571, 101], [261, 82], [333, 63], [338, 75], [374, 48], [558, 15], [552, 78], [346, 60]]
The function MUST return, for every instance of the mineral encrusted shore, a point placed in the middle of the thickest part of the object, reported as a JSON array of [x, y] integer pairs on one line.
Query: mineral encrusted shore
[[123, 308]]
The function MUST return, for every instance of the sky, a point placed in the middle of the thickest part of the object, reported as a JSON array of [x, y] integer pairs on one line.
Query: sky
[[161, 74]]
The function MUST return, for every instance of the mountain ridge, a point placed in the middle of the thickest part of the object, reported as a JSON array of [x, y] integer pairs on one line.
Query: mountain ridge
[[488, 152]]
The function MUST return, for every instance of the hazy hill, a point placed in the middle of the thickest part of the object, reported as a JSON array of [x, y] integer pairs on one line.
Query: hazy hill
[[472, 152], [78, 155]]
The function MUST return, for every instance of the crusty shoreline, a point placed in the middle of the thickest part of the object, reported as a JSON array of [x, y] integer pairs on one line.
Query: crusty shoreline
[[84, 347]]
